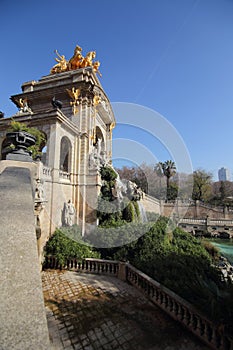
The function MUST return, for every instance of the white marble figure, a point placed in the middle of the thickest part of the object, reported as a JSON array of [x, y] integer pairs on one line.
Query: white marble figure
[[99, 146], [39, 191], [119, 189], [69, 212], [98, 156]]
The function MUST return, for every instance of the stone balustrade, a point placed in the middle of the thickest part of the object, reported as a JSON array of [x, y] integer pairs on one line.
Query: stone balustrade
[[193, 221], [110, 267], [64, 175], [212, 222], [46, 172], [178, 308]]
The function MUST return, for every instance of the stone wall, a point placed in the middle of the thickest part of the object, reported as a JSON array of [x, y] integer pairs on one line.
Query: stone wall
[[194, 210], [151, 204], [23, 322]]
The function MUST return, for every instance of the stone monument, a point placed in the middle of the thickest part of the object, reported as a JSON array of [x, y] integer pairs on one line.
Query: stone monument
[[71, 108]]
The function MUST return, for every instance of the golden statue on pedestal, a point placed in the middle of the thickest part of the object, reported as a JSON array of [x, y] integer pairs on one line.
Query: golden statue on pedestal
[[77, 61]]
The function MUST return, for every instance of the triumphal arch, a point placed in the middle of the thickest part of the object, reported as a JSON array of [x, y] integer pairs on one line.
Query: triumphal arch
[[71, 108]]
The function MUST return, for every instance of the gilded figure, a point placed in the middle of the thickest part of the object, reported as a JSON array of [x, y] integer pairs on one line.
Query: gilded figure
[[95, 67], [76, 59], [62, 64], [74, 94], [87, 61], [96, 100]]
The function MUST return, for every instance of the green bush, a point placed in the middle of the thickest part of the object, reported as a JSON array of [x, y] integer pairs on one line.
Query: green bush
[[108, 174], [129, 212], [174, 258], [62, 247]]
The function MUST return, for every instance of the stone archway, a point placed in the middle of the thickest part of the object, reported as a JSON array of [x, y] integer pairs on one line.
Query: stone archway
[[65, 154]]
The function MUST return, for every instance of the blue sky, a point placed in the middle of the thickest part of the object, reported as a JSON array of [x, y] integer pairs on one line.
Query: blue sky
[[172, 56]]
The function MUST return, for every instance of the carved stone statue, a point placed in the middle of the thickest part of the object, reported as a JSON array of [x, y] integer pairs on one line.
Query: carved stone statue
[[98, 156], [69, 211]]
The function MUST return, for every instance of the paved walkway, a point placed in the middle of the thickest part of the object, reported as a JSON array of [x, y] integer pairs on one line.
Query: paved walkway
[[96, 312]]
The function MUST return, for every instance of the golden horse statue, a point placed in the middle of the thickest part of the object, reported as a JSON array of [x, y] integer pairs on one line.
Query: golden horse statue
[[87, 61], [74, 62]]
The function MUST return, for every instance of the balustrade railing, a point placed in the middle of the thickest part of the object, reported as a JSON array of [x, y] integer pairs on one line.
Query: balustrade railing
[[64, 175], [46, 171], [110, 267], [178, 308], [210, 222], [192, 221]]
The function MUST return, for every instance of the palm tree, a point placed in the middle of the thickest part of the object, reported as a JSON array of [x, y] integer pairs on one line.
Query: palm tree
[[169, 170]]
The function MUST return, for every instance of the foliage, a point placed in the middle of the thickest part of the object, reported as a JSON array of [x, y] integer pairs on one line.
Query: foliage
[[211, 249], [137, 210], [111, 211], [110, 239], [168, 168], [151, 216], [62, 247], [138, 175], [201, 185], [176, 259], [221, 193], [39, 135], [172, 191], [129, 213], [108, 174]]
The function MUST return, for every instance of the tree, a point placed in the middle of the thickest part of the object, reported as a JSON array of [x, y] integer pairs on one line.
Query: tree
[[201, 185], [172, 191], [169, 170], [136, 175]]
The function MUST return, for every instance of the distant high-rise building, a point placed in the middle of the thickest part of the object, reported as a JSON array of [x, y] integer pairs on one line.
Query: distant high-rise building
[[223, 174]]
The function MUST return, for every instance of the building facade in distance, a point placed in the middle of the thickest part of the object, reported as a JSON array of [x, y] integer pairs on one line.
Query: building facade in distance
[[224, 174]]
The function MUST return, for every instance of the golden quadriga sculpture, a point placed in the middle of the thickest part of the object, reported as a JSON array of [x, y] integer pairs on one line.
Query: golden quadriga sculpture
[[77, 61]]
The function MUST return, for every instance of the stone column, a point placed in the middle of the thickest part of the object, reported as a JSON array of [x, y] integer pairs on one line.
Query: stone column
[[122, 272]]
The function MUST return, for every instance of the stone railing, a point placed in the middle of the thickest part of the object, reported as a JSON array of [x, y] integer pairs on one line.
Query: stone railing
[[192, 221], [46, 172], [210, 222], [101, 266], [178, 308], [64, 175]]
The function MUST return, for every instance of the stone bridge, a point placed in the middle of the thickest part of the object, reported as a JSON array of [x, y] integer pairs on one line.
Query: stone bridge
[[221, 228]]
